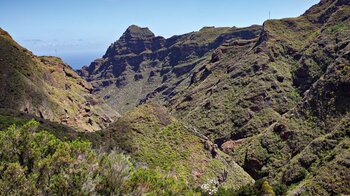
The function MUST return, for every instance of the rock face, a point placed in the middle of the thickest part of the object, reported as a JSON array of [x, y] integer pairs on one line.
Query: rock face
[[140, 65], [135, 40], [48, 88]]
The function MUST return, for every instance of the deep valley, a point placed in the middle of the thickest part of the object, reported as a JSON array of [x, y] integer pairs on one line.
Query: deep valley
[[259, 110]]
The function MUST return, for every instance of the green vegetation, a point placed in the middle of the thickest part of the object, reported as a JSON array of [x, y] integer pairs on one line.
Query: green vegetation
[[36, 162], [260, 187], [154, 138], [274, 98], [48, 88]]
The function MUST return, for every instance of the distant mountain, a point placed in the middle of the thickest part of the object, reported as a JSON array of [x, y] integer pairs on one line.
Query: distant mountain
[[48, 88], [140, 63], [275, 97]]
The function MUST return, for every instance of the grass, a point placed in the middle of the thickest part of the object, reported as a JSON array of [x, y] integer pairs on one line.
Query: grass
[[166, 145], [296, 32]]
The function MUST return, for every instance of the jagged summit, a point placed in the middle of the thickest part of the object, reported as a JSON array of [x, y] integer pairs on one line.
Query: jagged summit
[[153, 61], [134, 40], [138, 32]]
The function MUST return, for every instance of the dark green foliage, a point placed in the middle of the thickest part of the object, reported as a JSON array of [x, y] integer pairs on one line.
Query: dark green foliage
[[146, 180], [36, 162], [260, 187], [294, 174], [280, 189]]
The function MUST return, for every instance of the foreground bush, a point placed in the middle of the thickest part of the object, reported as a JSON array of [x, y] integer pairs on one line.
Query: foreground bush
[[36, 162]]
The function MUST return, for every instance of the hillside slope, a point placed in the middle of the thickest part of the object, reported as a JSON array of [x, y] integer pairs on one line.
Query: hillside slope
[[154, 138], [48, 88], [308, 148]]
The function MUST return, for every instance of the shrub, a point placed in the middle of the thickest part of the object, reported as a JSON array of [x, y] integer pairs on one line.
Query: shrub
[[266, 189], [37, 163], [145, 180]]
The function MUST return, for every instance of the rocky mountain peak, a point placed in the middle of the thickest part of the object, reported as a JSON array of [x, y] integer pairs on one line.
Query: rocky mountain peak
[[134, 31], [134, 40]]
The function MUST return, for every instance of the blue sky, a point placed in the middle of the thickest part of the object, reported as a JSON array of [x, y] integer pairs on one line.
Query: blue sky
[[80, 31]]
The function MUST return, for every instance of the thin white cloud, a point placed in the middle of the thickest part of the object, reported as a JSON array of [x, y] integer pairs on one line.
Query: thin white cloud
[[33, 41]]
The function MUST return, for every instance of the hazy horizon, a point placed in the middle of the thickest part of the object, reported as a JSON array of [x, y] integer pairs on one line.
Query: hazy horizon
[[81, 31]]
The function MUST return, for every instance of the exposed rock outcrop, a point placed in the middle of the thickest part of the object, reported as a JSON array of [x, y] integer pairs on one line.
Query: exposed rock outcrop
[[139, 64]]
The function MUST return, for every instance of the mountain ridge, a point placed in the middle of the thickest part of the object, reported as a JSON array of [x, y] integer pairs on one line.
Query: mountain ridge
[[48, 88], [160, 64]]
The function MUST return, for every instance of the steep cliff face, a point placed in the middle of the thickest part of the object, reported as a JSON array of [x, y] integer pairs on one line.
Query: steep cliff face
[[308, 148], [140, 65], [48, 88]]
